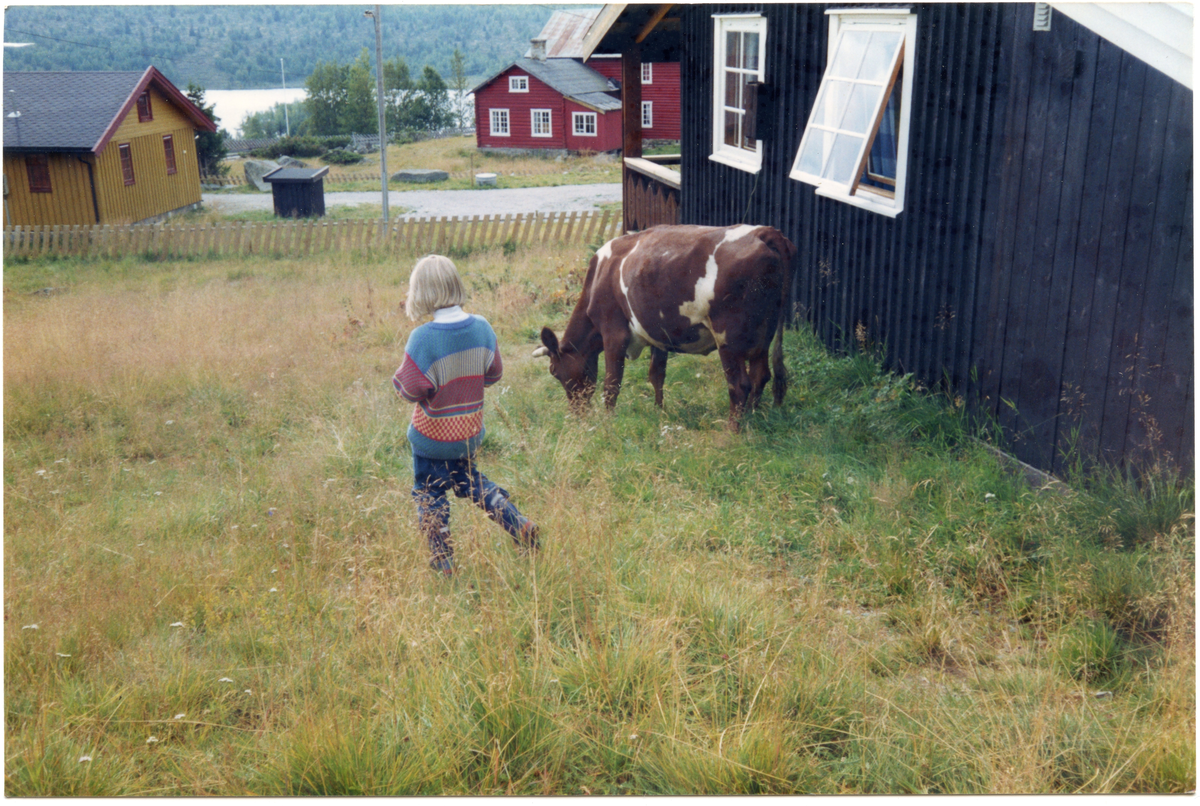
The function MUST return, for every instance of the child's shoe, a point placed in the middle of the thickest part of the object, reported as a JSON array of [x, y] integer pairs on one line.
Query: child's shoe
[[442, 565], [529, 542]]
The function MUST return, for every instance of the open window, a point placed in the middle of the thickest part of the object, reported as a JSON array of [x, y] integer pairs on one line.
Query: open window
[[855, 145], [737, 70]]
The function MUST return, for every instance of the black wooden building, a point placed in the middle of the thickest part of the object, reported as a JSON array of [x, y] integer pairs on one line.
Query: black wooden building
[[1029, 245]]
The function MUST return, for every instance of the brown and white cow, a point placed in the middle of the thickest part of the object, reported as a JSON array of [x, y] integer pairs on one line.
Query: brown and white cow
[[679, 289]]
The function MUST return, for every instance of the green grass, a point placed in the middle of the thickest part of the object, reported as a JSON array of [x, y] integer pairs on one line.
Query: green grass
[[210, 542]]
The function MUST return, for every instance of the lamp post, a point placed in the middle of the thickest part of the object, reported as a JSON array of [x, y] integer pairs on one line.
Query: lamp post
[[283, 84], [383, 177]]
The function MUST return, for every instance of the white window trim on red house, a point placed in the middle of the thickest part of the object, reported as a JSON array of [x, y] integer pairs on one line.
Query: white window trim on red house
[[580, 124], [499, 116], [540, 123]]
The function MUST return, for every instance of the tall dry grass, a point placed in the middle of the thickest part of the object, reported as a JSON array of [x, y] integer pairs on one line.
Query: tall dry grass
[[213, 584]]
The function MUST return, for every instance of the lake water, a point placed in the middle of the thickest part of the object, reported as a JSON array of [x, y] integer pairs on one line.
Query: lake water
[[232, 106]]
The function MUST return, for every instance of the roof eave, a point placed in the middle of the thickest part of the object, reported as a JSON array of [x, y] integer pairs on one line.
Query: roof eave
[[153, 76], [604, 20]]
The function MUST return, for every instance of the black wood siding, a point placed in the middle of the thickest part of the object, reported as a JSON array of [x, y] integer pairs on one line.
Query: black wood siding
[[1042, 267]]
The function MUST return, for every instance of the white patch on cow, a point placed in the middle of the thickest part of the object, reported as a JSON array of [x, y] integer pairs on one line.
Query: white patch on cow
[[640, 337], [696, 310]]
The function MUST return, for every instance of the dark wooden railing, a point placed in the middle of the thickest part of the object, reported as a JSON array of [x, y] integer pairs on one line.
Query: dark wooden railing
[[651, 192]]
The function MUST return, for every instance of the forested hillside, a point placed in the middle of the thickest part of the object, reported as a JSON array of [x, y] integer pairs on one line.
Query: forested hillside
[[239, 47]]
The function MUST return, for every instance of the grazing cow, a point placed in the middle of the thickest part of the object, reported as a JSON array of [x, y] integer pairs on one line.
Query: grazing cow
[[679, 289]]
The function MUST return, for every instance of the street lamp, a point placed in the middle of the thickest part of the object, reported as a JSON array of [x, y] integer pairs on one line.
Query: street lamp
[[383, 173]]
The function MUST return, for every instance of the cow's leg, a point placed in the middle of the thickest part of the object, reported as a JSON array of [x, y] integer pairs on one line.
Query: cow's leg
[[760, 373], [614, 367], [658, 373], [738, 381]]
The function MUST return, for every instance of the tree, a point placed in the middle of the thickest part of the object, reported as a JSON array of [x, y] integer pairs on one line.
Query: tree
[[274, 122], [359, 115], [327, 95], [210, 146], [458, 81], [431, 107], [397, 94]]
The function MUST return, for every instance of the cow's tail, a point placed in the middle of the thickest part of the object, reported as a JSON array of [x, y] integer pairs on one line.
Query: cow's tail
[[778, 372]]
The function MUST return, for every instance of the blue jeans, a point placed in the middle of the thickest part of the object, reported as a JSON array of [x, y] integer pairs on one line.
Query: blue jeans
[[436, 477]]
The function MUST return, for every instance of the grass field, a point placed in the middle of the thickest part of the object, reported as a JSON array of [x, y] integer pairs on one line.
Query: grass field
[[213, 584], [459, 157]]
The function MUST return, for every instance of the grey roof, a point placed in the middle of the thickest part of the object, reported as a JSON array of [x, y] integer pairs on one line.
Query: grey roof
[[571, 78], [62, 111], [76, 111]]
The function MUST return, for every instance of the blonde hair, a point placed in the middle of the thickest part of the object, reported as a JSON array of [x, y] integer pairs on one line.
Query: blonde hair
[[434, 284]]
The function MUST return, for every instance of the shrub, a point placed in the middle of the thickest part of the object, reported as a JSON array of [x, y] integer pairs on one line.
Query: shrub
[[339, 157], [300, 147]]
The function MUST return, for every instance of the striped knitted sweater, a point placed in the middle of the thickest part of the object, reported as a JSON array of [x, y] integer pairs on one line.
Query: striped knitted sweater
[[446, 366]]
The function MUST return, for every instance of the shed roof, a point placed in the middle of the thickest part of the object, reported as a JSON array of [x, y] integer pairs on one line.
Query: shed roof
[[288, 175], [572, 79], [71, 111], [564, 32]]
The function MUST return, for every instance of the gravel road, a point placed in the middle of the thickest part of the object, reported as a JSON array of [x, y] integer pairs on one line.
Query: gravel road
[[484, 201]]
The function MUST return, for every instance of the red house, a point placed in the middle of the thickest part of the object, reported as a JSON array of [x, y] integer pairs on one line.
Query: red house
[[660, 94], [554, 99], [547, 104]]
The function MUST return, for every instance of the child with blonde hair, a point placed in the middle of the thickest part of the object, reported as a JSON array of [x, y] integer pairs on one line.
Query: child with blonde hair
[[447, 364]]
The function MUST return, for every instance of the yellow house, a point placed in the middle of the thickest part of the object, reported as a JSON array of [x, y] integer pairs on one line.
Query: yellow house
[[98, 148]]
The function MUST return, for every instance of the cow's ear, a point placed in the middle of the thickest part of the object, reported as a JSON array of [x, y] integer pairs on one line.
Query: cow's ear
[[550, 341]]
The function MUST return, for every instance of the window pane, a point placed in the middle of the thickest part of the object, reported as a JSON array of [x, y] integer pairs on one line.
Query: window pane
[[878, 62], [849, 55], [731, 90], [733, 51], [834, 96], [731, 129], [843, 159], [860, 108], [813, 154], [751, 51], [881, 163]]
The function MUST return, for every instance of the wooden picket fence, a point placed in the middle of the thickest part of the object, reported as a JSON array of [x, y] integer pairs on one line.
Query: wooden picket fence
[[298, 238], [238, 180]]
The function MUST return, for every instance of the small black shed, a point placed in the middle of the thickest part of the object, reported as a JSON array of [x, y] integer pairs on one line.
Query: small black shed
[[298, 192]]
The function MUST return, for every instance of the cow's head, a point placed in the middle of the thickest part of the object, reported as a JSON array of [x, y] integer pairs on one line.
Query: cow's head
[[576, 371]]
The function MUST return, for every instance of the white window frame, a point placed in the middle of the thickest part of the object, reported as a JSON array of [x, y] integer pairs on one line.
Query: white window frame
[[864, 196], [496, 115], [580, 121], [647, 73], [534, 126], [733, 156], [647, 114], [518, 83]]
